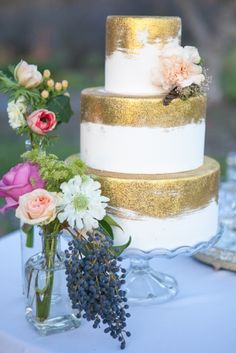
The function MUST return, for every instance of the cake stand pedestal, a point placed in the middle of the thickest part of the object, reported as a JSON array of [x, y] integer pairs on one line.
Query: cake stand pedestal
[[147, 286]]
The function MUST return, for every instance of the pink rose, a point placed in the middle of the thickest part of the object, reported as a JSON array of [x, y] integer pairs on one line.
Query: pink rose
[[38, 207], [42, 121], [21, 179]]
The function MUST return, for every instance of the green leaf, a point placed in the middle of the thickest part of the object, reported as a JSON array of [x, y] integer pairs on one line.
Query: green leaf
[[11, 69], [118, 249], [28, 229], [201, 62], [60, 105], [106, 228], [111, 222]]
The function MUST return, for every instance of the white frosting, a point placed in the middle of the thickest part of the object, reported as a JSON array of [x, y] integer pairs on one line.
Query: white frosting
[[132, 73], [142, 150], [149, 233]]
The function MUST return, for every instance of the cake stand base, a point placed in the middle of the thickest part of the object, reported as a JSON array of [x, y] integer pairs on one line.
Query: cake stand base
[[146, 286]]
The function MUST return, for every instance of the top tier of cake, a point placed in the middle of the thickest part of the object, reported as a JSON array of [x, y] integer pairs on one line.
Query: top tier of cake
[[133, 45]]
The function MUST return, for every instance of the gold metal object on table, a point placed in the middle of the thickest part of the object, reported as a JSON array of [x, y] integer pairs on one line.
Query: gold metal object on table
[[219, 258], [223, 254]]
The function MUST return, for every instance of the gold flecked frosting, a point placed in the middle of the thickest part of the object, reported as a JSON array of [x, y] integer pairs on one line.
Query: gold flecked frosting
[[161, 195], [125, 33], [98, 106]]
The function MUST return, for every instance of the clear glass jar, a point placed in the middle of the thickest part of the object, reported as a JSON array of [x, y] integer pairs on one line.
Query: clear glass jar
[[28, 248], [48, 307]]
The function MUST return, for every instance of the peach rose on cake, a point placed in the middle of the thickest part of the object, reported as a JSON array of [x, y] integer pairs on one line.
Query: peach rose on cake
[[178, 67], [38, 207], [42, 121], [27, 75]]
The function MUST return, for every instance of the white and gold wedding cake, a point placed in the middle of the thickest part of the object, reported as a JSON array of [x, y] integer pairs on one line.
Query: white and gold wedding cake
[[143, 136]]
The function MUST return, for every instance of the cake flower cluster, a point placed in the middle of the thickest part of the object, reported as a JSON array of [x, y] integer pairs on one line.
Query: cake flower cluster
[[179, 72], [59, 196]]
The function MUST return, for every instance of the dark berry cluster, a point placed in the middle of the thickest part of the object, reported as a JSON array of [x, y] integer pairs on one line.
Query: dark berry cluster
[[94, 280]]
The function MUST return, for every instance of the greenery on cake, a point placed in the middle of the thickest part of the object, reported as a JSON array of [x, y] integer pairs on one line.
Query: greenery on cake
[[183, 93]]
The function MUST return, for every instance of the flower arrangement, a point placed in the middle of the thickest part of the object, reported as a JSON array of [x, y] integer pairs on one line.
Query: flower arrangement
[[179, 72], [59, 196], [37, 105]]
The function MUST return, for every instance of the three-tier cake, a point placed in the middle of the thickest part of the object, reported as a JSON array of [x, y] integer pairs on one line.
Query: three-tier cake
[[143, 136]]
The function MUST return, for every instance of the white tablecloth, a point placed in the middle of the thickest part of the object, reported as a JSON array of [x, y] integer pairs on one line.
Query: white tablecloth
[[201, 319]]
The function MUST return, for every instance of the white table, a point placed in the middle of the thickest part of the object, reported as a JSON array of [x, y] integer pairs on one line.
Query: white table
[[201, 319]]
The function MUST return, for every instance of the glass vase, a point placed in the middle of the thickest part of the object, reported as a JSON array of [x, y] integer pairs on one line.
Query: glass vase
[[30, 245], [48, 307], [231, 166], [28, 248]]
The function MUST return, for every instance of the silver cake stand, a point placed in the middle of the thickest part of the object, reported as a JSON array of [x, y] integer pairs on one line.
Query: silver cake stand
[[144, 285], [223, 254]]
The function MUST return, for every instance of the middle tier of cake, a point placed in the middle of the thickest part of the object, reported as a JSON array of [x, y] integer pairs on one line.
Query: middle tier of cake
[[163, 211], [141, 135]]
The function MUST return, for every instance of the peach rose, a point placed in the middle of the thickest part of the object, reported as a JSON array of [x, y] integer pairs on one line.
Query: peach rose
[[38, 207], [178, 67], [42, 121], [27, 75]]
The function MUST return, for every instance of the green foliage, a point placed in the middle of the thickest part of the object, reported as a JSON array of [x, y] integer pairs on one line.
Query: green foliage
[[106, 224], [75, 165], [228, 75], [109, 220], [57, 102], [119, 249], [106, 228], [60, 105], [52, 170], [184, 93], [9, 85], [191, 91]]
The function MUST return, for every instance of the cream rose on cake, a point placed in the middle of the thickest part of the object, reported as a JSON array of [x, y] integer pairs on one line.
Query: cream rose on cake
[[177, 67]]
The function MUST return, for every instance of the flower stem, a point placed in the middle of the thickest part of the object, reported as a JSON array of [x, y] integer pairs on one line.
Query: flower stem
[[44, 295], [30, 239]]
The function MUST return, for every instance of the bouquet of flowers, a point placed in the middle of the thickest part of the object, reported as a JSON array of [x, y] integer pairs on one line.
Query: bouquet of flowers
[[59, 196]]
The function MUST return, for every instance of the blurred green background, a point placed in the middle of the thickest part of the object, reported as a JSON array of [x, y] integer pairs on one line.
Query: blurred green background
[[68, 37]]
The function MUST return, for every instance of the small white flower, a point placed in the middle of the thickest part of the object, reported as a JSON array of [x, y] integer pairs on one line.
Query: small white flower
[[82, 204], [16, 110]]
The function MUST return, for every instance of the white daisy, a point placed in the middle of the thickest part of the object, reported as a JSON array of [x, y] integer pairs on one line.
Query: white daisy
[[16, 110], [82, 204]]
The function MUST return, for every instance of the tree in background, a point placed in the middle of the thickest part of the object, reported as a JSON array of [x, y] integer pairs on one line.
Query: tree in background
[[212, 24]]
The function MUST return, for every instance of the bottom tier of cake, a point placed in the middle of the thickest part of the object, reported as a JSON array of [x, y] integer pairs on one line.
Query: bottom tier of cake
[[163, 211]]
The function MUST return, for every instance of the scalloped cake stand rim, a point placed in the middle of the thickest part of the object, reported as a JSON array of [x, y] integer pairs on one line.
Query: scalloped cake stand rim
[[170, 253]]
